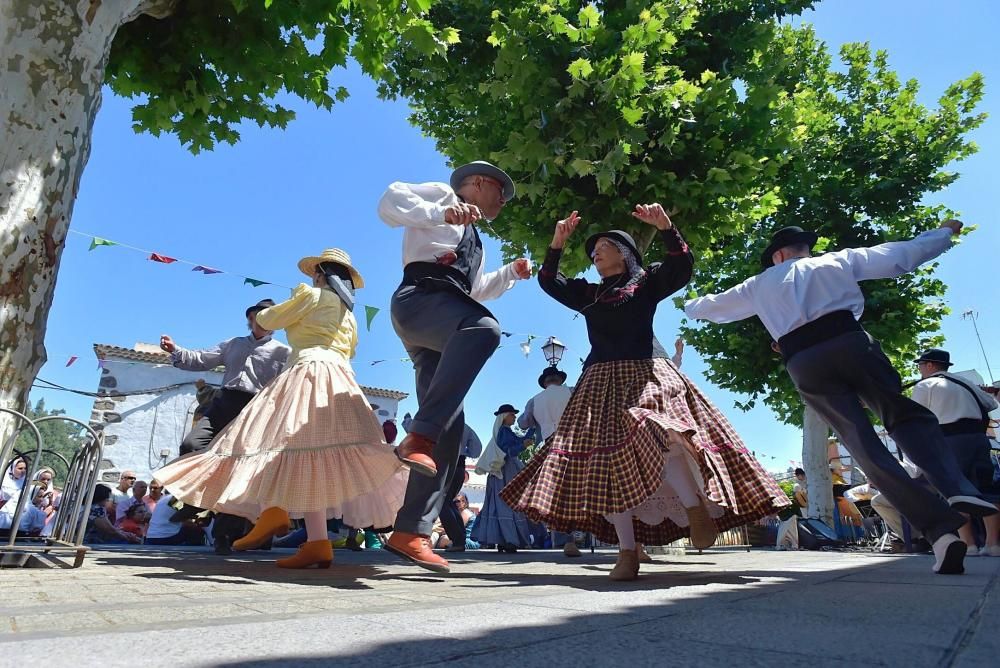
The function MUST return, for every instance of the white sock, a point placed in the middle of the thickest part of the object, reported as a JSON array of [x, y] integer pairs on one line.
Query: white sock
[[623, 527], [681, 479], [315, 526]]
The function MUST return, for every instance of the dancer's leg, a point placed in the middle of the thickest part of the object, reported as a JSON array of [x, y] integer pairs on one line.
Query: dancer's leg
[[315, 526], [624, 528]]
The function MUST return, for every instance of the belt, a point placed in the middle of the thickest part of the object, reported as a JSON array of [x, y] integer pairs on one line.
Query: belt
[[817, 331], [964, 426], [436, 276]]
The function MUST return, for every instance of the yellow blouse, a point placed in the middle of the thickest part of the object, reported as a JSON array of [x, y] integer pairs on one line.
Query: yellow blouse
[[315, 320]]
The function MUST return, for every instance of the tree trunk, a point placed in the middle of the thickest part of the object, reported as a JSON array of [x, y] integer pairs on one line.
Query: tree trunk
[[54, 56], [819, 483]]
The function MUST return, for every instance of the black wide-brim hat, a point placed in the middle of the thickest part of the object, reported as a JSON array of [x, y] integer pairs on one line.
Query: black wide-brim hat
[[937, 356], [506, 408], [617, 235], [786, 236], [260, 306], [483, 168], [548, 373]]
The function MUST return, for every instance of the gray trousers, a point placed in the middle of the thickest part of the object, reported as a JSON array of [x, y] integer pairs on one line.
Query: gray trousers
[[449, 338], [842, 375]]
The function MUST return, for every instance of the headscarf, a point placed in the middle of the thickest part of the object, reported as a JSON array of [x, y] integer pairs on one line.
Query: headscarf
[[11, 486], [636, 275], [497, 425]]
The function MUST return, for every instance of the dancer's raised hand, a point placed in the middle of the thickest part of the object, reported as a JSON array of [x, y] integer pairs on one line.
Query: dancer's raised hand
[[462, 213], [564, 228], [653, 214], [954, 225], [522, 268], [167, 344]]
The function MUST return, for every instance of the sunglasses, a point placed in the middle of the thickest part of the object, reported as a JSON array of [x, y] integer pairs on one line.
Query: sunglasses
[[128, 477]]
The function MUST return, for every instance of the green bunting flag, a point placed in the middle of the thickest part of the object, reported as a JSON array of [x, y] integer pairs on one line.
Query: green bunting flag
[[370, 313], [97, 241], [254, 282]]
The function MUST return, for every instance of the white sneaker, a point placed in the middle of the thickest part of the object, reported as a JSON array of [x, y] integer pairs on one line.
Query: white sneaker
[[992, 551], [973, 551], [949, 555]]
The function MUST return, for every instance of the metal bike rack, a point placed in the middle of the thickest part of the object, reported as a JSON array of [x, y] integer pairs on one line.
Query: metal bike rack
[[70, 522]]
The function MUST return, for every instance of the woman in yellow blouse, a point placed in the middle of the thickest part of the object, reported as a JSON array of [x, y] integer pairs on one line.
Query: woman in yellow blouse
[[308, 445]]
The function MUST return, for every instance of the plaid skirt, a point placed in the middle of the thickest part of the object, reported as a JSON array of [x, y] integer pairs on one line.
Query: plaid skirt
[[608, 454]]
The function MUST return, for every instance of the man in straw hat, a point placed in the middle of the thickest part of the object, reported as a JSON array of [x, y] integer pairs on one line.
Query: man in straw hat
[[250, 362], [810, 306], [448, 333]]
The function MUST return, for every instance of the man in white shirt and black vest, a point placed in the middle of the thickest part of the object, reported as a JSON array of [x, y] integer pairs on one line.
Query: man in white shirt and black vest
[[447, 332], [810, 306], [963, 411]]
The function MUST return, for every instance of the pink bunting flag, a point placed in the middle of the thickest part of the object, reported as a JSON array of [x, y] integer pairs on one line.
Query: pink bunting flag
[[207, 270], [71, 360], [100, 364], [156, 257]]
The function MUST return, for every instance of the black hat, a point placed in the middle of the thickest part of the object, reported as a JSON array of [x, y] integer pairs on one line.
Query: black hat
[[549, 373], [506, 408], [786, 236], [260, 306], [617, 235], [935, 355]]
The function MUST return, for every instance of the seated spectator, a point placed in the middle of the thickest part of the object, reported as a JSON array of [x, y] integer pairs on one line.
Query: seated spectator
[[161, 531], [13, 480], [799, 492], [46, 497], [461, 502], [99, 527], [135, 520], [138, 491]]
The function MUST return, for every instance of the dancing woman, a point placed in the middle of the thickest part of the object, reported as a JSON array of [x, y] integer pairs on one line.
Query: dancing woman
[[640, 454], [308, 444]]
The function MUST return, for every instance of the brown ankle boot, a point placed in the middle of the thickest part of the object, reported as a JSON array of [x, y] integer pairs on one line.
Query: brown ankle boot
[[640, 553], [417, 452], [272, 522], [317, 553], [627, 567], [417, 549], [703, 531]]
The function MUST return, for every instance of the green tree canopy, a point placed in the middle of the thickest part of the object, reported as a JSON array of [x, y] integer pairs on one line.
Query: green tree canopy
[[58, 436], [208, 65], [736, 121]]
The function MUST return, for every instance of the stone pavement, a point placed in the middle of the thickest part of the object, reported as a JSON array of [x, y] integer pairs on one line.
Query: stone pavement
[[187, 607]]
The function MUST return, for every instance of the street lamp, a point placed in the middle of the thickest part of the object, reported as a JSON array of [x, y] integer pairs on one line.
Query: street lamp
[[553, 350]]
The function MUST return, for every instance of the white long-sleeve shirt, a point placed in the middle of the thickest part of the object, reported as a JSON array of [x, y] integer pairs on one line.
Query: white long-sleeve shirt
[[798, 291], [420, 209], [949, 401]]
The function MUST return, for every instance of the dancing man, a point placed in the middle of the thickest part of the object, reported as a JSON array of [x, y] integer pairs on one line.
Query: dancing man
[[810, 306], [448, 333], [250, 362]]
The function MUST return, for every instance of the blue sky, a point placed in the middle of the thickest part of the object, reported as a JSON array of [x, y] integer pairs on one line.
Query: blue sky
[[257, 207]]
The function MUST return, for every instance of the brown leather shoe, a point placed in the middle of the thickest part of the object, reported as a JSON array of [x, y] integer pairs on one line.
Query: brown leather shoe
[[416, 451], [626, 568], [417, 549]]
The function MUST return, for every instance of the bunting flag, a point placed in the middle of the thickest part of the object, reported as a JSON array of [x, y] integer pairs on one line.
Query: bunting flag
[[507, 334], [207, 270], [97, 241], [156, 257], [370, 313], [100, 364], [254, 282], [71, 360], [374, 362], [526, 348]]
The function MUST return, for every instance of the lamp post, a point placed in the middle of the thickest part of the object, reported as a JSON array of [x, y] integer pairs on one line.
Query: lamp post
[[553, 350]]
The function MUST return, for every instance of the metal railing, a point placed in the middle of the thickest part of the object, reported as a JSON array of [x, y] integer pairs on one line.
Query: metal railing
[[69, 525]]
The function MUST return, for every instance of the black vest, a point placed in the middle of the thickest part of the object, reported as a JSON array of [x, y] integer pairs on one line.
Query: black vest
[[450, 273]]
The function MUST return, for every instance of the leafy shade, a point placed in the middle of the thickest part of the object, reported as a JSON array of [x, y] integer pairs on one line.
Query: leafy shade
[[740, 124], [59, 436], [213, 64]]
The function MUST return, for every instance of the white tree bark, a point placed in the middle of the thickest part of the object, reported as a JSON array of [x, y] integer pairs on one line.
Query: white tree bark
[[819, 482], [53, 55]]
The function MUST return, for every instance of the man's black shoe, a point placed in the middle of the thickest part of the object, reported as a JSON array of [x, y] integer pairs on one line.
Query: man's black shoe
[[223, 547]]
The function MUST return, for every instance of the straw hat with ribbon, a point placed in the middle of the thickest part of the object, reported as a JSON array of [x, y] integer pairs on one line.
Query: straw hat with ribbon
[[307, 265]]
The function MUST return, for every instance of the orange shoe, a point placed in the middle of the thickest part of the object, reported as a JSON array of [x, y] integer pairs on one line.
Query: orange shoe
[[703, 531], [417, 549], [318, 553], [418, 453], [272, 522]]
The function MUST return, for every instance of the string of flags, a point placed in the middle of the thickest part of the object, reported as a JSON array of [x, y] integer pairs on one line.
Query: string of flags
[[96, 242]]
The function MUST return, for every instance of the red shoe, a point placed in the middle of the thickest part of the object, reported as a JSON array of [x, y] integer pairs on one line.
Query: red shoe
[[416, 451], [417, 549]]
